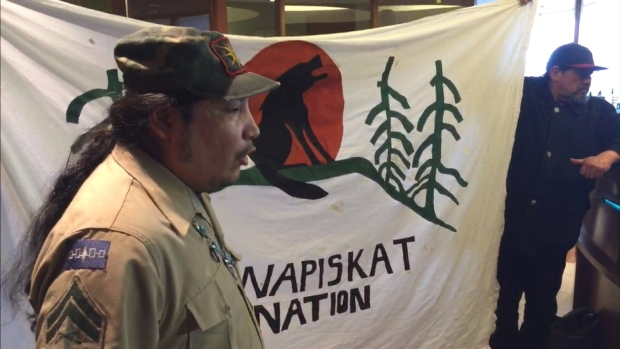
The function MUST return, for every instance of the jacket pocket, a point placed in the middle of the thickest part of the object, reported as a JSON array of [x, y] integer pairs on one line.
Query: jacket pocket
[[208, 322]]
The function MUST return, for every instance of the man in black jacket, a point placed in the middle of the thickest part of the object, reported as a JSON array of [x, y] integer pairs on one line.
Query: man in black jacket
[[564, 141]]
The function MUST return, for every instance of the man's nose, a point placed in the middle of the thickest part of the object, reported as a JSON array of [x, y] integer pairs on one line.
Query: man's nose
[[252, 130]]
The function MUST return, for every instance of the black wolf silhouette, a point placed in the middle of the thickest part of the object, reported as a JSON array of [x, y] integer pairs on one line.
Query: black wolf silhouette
[[285, 112]]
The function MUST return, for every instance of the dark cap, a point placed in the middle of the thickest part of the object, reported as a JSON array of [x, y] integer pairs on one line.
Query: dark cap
[[572, 56], [171, 59]]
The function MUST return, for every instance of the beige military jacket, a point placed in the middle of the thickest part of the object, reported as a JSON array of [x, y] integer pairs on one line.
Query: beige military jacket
[[127, 267]]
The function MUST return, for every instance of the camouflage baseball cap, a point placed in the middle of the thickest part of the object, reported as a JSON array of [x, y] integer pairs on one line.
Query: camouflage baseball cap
[[168, 59]]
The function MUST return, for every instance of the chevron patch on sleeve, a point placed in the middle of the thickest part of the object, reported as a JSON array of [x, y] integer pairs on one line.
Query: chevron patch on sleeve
[[75, 320]]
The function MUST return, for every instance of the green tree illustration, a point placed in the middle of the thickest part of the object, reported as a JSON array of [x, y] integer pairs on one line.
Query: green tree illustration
[[426, 175], [113, 91], [389, 170]]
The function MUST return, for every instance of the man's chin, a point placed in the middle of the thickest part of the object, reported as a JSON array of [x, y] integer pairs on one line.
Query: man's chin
[[234, 177], [581, 97], [223, 182]]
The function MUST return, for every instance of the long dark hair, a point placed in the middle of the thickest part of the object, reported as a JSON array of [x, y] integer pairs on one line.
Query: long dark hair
[[128, 125]]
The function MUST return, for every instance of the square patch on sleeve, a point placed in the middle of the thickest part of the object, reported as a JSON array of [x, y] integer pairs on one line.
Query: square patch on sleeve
[[87, 254]]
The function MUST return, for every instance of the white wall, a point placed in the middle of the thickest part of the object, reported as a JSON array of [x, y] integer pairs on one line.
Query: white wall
[[600, 32]]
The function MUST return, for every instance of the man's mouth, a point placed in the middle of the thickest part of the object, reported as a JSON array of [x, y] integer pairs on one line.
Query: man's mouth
[[243, 159]]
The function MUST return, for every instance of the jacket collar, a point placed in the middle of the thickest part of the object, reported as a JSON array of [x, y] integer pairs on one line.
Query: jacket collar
[[174, 198]]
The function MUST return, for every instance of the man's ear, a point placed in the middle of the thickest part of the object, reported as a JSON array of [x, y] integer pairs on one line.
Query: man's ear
[[555, 73], [162, 122]]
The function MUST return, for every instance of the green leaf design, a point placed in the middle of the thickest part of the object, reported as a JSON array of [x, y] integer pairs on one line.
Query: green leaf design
[[113, 91], [383, 128], [426, 175], [389, 155]]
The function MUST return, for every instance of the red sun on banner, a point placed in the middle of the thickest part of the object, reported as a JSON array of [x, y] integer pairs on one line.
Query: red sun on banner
[[309, 104]]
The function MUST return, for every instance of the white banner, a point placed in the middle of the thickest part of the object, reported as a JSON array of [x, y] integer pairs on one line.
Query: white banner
[[376, 222]]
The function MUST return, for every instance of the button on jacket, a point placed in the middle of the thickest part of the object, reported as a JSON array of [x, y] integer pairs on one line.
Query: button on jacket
[[141, 276], [546, 195]]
